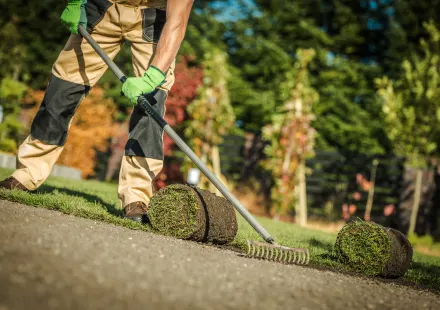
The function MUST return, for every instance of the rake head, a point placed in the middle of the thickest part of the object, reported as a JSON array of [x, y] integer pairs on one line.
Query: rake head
[[277, 253]]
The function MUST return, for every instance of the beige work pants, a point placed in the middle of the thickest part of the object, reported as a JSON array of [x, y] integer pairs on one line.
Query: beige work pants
[[76, 70]]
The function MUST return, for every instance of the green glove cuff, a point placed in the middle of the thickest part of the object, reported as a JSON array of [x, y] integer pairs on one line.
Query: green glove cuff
[[75, 14], [154, 76]]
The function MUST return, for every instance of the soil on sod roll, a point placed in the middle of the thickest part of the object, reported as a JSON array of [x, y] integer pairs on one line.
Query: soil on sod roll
[[372, 249], [221, 221], [194, 214], [401, 255]]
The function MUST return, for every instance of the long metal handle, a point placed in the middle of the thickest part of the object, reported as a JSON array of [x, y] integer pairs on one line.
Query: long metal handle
[[110, 63], [143, 102]]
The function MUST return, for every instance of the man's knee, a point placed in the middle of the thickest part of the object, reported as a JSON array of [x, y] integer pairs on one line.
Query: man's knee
[[60, 102], [146, 136]]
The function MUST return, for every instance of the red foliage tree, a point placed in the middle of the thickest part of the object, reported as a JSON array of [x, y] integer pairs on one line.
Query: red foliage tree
[[184, 91]]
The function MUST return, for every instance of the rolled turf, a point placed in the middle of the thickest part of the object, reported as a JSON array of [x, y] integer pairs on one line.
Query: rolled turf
[[401, 255], [189, 213], [372, 249]]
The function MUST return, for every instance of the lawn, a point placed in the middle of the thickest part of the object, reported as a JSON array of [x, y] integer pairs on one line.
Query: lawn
[[98, 201]]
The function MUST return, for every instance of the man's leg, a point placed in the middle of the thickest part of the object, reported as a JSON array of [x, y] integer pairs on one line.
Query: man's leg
[[143, 158], [76, 70]]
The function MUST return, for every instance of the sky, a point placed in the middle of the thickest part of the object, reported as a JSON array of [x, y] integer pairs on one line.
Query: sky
[[230, 10]]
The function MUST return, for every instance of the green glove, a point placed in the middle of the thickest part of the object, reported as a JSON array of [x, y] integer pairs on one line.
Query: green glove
[[134, 87], [74, 15]]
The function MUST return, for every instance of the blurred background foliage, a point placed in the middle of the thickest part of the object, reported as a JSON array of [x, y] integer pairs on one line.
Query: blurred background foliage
[[375, 70]]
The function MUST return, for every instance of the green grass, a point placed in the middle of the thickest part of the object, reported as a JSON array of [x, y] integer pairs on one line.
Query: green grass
[[174, 201], [98, 201], [364, 247]]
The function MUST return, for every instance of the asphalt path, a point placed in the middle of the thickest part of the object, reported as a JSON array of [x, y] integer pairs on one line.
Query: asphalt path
[[49, 260]]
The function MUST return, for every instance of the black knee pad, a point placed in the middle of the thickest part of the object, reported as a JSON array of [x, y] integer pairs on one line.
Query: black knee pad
[[60, 102], [146, 136]]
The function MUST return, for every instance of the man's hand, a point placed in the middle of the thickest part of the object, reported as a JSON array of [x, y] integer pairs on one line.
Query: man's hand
[[135, 87], [178, 12], [74, 15]]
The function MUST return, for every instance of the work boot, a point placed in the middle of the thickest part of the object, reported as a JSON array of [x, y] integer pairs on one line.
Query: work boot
[[136, 211], [13, 183]]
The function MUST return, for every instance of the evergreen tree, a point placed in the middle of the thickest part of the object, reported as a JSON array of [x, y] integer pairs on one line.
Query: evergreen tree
[[263, 48], [412, 103], [348, 114], [11, 92], [405, 31]]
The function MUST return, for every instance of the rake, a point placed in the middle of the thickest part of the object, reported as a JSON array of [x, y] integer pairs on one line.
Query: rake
[[269, 250]]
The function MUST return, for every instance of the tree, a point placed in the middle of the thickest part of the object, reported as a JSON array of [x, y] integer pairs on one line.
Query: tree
[[412, 103], [412, 109], [291, 136], [32, 35], [349, 115], [211, 114], [405, 31], [347, 37], [188, 80], [183, 93], [11, 92]]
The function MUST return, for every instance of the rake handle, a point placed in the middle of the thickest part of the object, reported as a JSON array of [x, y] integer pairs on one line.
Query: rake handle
[[142, 101]]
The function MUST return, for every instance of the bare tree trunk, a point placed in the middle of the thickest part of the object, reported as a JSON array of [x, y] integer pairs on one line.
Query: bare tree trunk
[[216, 166], [17, 71], [285, 177], [367, 215], [204, 159], [301, 209], [416, 202]]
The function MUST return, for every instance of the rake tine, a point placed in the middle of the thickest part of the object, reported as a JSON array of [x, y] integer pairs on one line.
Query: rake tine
[[284, 258], [258, 251], [290, 257], [304, 257], [280, 258], [267, 253], [277, 253]]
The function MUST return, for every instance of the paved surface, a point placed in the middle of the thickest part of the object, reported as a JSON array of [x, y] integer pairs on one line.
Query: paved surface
[[53, 261]]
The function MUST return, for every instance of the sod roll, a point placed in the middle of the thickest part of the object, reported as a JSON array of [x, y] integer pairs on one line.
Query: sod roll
[[221, 221], [194, 214], [400, 256], [372, 249]]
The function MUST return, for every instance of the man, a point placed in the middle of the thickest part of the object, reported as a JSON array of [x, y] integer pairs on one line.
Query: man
[[155, 29]]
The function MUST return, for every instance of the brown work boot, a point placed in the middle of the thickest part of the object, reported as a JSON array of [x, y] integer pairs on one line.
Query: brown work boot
[[136, 211], [13, 183]]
